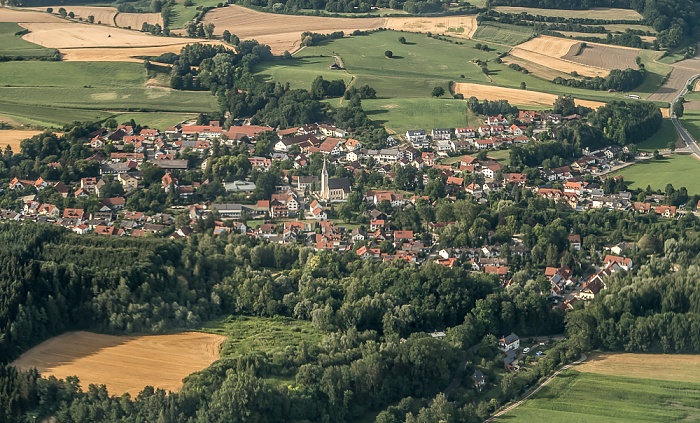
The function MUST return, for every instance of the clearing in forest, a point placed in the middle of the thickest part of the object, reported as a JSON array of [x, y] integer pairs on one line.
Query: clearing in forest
[[124, 363], [513, 95]]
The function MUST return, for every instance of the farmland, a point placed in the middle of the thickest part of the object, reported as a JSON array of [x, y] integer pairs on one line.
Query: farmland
[[457, 26], [102, 15], [606, 57], [661, 138], [14, 46], [618, 388], [593, 13], [82, 86], [13, 137], [500, 33], [516, 96], [680, 170], [402, 114], [553, 53], [124, 363]]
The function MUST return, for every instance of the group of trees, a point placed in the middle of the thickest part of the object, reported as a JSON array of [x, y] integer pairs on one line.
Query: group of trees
[[491, 107], [627, 123], [617, 80]]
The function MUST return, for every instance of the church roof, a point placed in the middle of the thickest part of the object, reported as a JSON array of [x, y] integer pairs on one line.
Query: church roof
[[339, 183]]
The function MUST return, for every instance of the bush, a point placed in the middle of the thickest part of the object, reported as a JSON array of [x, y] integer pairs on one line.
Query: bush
[[388, 54]]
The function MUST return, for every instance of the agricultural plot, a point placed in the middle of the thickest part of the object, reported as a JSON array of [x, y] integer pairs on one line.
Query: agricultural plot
[[155, 120], [301, 71], [680, 170], [182, 14], [13, 137], [515, 96], [510, 35], [691, 122], [136, 20], [456, 26], [550, 52], [124, 363], [102, 15], [603, 56], [593, 13], [27, 16], [47, 116], [281, 32], [14, 46], [115, 54], [682, 368], [402, 114], [661, 139]]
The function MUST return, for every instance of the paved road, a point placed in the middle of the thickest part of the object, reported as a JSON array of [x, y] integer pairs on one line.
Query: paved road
[[687, 138], [537, 389]]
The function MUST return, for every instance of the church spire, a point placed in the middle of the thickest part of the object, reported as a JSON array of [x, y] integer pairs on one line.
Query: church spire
[[325, 192]]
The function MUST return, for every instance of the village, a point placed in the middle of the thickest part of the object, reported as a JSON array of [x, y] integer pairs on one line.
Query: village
[[304, 209]]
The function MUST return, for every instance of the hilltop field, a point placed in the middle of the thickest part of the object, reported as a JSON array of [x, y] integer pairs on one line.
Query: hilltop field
[[619, 388]]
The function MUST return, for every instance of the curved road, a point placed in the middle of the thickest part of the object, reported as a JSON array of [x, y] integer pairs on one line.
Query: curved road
[[537, 389]]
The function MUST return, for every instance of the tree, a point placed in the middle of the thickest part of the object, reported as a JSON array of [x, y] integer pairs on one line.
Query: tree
[[523, 86], [62, 12], [678, 108], [226, 35], [189, 3], [438, 92], [71, 15], [402, 40], [209, 30], [49, 9], [388, 54], [91, 19], [156, 6], [672, 145]]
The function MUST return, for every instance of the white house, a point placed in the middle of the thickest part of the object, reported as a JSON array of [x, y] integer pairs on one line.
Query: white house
[[509, 343]]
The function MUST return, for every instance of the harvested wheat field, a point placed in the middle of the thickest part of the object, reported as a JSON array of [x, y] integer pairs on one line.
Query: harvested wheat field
[[74, 35], [676, 367], [102, 15], [25, 15], [549, 51], [115, 54], [603, 56], [513, 95], [280, 32], [13, 137], [124, 363], [136, 20], [593, 13], [456, 26], [536, 69], [674, 85]]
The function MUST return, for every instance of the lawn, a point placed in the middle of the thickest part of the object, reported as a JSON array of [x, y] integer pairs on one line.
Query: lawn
[[14, 46], [691, 122], [660, 139], [680, 170], [576, 397], [182, 14], [98, 88], [495, 32], [259, 334]]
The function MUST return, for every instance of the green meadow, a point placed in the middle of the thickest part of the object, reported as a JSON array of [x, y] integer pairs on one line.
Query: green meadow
[[660, 140], [54, 93], [14, 46], [575, 397], [496, 32], [680, 170]]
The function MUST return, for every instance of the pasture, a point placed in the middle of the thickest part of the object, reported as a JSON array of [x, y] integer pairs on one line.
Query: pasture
[[14, 46], [124, 363], [500, 33], [402, 114], [691, 122], [661, 138], [13, 137], [258, 334], [593, 13], [300, 71], [47, 116], [155, 120], [182, 14], [679, 170], [83, 86]]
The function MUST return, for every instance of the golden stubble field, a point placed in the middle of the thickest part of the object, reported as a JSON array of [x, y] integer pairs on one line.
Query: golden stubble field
[[674, 367], [13, 137], [514, 96], [110, 16], [550, 52], [124, 363]]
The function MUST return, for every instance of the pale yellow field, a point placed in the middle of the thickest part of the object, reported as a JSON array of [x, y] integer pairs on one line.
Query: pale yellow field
[[685, 368], [72, 35], [13, 137], [605, 56], [25, 15], [513, 95], [124, 363], [435, 25], [281, 32], [116, 54], [103, 15], [593, 13], [136, 20], [550, 52]]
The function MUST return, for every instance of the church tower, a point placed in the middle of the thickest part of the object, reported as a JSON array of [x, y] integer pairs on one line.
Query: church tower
[[325, 192]]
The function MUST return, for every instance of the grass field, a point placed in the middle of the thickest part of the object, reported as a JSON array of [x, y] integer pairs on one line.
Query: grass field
[[300, 71], [124, 363], [680, 170], [269, 335], [618, 388], [14, 46], [402, 114], [156, 120], [660, 139], [691, 122], [501, 33], [183, 14], [60, 92]]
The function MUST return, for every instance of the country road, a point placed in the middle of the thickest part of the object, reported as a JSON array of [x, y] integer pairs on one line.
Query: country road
[[536, 389], [684, 134]]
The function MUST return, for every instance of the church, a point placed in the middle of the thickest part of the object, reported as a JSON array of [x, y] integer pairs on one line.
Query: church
[[336, 189]]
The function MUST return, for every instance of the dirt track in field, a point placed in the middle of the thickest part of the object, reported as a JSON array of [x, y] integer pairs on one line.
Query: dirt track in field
[[513, 95], [124, 363]]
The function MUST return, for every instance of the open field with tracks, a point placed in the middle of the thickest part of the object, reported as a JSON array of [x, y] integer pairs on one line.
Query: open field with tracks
[[495, 32], [14, 46], [551, 52], [102, 15], [124, 363], [13, 137], [456, 26], [593, 13], [26, 16], [618, 388], [602, 56]]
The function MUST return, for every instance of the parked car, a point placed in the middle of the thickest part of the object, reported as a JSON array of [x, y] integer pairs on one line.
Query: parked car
[[526, 350]]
